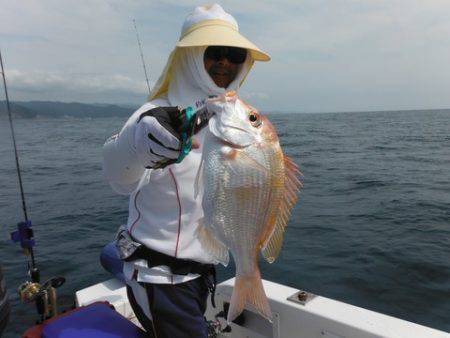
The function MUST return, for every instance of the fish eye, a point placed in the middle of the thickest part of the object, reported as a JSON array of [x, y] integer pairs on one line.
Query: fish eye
[[254, 119]]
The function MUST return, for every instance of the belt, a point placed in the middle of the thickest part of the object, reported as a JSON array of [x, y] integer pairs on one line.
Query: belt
[[177, 266]]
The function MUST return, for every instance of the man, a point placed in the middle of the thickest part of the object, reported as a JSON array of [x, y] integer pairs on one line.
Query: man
[[166, 268]]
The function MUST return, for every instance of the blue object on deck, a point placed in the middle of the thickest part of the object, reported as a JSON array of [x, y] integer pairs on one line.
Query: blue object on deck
[[110, 260], [97, 320]]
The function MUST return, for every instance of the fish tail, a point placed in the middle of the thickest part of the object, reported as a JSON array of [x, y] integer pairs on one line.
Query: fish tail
[[249, 290]]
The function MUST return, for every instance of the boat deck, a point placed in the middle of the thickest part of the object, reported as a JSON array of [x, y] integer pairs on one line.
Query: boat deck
[[295, 314]]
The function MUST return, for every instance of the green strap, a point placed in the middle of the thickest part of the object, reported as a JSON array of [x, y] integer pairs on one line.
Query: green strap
[[186, 140]]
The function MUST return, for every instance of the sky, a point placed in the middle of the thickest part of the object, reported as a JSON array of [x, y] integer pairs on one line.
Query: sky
[[327, 55]]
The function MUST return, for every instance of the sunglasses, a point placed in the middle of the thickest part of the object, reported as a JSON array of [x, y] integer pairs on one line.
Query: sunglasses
[[233, 54]]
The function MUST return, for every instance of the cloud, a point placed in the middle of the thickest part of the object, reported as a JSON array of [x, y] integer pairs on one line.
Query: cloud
[[326, 55], [48, 85]]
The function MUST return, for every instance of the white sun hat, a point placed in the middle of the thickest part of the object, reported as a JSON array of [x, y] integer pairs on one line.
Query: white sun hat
[[207, 25]]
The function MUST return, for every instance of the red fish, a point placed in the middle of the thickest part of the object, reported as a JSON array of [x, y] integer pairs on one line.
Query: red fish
[[248, 188]]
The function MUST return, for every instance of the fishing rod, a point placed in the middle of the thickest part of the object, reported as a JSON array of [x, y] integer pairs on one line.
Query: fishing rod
[[142, 56], [43, 295], [25, 232], [8, 107]]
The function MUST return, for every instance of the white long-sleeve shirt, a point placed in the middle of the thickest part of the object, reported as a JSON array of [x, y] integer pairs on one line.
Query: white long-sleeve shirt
[[164, 214]]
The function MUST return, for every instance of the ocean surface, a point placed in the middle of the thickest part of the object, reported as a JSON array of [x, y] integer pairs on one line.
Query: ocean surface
[[371, 228]]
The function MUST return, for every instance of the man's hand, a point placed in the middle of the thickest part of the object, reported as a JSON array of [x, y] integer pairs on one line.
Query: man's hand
[[157, 137]]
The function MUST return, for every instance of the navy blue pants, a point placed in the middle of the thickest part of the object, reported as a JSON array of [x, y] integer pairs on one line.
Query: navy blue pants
[[177, 309]]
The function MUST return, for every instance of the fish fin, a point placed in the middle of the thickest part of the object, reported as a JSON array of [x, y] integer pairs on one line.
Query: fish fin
[[239, 162], [198, 178], [249, 290], [251, 161], [292, 185], [213, 246], [272, 247]]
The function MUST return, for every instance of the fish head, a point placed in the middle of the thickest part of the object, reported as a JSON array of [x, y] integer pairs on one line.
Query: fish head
[[238, 124]]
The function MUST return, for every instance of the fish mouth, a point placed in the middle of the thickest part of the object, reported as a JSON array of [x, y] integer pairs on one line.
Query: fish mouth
[[230, 143]]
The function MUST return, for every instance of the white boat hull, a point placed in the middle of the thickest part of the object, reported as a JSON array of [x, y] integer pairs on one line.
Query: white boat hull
[[317, 317]]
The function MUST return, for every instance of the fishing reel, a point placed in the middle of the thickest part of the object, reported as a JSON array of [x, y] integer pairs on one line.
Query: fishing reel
[[44, 295], [28, 291]]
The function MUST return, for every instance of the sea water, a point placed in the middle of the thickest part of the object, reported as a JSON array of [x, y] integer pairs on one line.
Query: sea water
[[371, 227]]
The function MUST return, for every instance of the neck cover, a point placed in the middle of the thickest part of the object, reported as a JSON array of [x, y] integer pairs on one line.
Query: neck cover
[[191, 84]]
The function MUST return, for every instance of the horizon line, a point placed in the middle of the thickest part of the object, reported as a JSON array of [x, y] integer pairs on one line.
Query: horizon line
[[127, 105]]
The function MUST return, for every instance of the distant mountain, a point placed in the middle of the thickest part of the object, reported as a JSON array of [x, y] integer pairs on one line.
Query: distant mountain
[[63, 109], [17, 110]]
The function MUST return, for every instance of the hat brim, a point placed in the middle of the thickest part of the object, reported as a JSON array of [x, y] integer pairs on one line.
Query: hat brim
[[221, 35]]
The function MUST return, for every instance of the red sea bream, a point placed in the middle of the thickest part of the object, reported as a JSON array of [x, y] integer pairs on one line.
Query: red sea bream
[[248, 188]]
